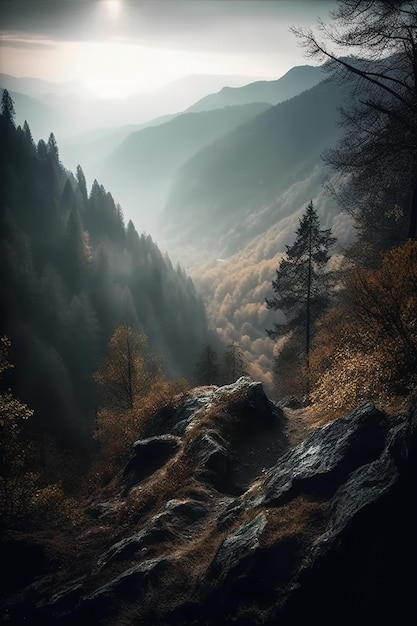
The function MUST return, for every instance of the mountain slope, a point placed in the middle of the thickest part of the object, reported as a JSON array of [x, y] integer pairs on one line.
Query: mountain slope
[[72, 272], [295, 81], [140, 169], [36, 87], [42, 118], [244, 183]]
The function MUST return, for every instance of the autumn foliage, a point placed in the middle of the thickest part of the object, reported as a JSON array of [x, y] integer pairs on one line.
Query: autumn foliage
[[135, 394], [366, 347]]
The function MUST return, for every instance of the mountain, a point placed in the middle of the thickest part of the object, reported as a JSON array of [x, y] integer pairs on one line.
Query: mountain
[[43, 118], [73, 272], [295, 81], [140, 169], [183, 92], [248, 180], [36, 87]]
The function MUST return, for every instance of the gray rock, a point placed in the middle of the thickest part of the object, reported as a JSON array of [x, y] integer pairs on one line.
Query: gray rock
[[324, 460], [210, 456], [129, 584], [236, 550], [129, 547], [186, 510], [150, 455]]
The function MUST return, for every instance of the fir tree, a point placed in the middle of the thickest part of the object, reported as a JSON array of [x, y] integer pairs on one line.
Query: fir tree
[[7, 109], [233, 366], [302, 285], [207, 368]]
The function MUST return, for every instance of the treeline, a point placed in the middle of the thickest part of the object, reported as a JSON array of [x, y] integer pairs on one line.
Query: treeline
[[71, 273]]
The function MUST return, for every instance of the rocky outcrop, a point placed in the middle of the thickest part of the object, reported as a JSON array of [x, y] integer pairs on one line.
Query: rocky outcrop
[[150, 455], [326, 532]]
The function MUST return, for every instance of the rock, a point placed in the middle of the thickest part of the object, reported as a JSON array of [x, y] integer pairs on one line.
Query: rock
[[289, 402], [186, 510], [150, 455], [209, 454], [370, 541], [65, 599], [250, 404], [185, 414], [130, 584], [327, 534], [236, 551], [325, 459], [128, 547]]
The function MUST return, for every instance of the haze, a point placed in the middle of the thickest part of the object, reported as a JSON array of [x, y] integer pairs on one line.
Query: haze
[[119, 47]]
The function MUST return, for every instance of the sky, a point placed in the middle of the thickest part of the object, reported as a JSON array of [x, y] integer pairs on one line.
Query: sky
[[119, 47]]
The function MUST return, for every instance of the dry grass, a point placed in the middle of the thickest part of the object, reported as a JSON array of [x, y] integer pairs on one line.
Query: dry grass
[[301, 518], [321, 413], [174, 479]]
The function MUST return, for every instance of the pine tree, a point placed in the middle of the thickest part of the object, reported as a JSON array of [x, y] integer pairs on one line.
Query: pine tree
[[207, 369], [7, 109], [233, 365], [302, 285]]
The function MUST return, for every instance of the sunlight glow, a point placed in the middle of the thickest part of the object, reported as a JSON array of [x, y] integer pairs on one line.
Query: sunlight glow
[[113, 8]]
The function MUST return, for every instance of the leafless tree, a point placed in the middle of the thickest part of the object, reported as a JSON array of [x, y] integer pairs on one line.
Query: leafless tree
[[371, 46]]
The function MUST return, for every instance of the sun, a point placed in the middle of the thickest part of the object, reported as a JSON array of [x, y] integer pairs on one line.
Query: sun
[[113, 8]]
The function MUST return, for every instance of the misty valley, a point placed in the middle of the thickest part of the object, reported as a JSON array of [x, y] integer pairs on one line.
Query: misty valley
[[208, 341]]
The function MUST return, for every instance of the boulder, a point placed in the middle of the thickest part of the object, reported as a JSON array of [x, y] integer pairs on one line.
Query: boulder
[[236, 550], [130, 584], [324, 460]]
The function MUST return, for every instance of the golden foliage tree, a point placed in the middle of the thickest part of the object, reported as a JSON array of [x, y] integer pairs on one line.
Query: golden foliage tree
[[26, 499], [135, 395], [129, 369], [367, 347]]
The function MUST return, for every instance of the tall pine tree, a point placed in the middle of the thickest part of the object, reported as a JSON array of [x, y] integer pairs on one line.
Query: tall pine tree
[[302, 284]]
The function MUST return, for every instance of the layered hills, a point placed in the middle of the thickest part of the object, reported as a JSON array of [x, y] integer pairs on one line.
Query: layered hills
[[255, 176]]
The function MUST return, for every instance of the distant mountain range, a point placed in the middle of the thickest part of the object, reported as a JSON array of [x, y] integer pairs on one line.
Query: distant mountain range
[[141, 168], [37, 87], [234, 161], [73, 109], [295, 81], [240, 185]]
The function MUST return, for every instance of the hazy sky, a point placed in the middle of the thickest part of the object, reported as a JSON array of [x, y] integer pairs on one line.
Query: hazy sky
[[121, 46]]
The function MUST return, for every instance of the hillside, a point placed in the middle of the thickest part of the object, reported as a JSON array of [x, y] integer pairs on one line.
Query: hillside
[[141, 168], [220, 517], [73, 272], [245, 182]]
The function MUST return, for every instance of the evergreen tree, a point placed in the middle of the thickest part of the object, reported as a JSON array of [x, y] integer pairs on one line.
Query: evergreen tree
[[233, 366], [207, 368], [302, 285], [7, 109]]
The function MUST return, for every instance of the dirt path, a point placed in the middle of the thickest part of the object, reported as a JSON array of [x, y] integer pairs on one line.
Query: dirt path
[[261, 449]]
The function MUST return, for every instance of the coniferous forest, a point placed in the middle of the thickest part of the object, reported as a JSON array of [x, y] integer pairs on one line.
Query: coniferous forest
[[72, 272]]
